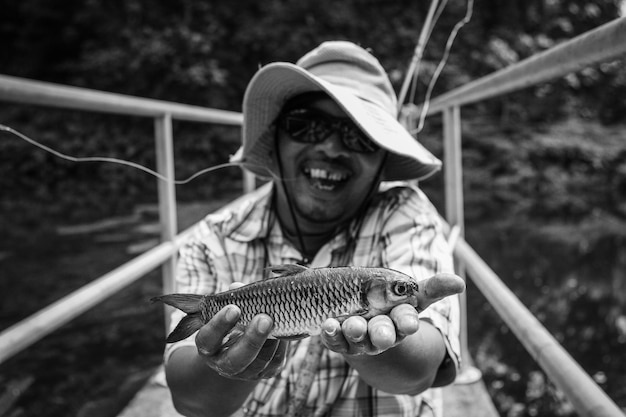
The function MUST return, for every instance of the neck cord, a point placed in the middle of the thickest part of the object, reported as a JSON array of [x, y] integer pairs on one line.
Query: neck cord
[[363, 209], [290, 204]]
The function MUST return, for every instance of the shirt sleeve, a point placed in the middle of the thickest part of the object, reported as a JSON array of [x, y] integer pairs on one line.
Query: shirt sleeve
[[414, 243], [194, 275]]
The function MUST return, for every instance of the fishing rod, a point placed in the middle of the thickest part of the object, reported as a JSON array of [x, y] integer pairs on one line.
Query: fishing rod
[[429, 24], [418, 53]]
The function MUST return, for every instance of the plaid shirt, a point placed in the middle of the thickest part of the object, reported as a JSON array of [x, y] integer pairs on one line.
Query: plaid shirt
[[400, 230]]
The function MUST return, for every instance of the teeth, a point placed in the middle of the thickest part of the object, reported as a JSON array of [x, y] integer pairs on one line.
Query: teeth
[[319, 173]]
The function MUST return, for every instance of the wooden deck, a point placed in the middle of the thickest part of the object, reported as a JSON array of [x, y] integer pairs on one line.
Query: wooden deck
[[460, 400]]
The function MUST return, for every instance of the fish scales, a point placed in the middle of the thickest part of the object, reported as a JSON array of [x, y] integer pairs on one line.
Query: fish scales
[[296, 304]]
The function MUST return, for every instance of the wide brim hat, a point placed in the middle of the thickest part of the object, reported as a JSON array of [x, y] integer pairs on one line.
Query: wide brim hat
[[357, 82]]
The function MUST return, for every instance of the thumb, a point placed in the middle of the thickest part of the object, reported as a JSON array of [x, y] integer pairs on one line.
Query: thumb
[[437, 287]]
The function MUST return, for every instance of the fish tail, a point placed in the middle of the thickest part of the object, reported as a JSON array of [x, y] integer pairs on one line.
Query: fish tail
[[190, 304], [186, 327]]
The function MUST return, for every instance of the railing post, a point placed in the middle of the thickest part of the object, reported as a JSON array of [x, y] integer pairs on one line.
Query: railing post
[[453, 179], [167, 198]]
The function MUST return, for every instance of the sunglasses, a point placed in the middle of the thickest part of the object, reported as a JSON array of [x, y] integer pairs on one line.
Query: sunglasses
[[310, 126]]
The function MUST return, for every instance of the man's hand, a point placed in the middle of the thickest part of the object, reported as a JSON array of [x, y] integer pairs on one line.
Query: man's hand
[[357, 336], [240, 354]]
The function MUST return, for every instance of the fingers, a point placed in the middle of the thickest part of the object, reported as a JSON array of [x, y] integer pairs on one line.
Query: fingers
[[353, 336], [211, 336], [253, 339], [357, 336], [355, 330], [332, 336], [240, 354], [405, 319], [382, 332]]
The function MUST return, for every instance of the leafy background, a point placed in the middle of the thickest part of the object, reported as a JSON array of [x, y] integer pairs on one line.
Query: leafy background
[[204, 53], [544, 172]]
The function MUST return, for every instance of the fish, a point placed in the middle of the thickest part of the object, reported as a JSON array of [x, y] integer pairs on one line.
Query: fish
[[299, 299]]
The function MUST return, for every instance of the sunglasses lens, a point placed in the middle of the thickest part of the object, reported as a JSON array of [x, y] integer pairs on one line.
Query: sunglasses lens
[[355, 140], [306, 126], [298, 128]]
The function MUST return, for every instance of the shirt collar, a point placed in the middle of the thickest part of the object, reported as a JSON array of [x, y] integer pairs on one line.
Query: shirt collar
[[256, 219]]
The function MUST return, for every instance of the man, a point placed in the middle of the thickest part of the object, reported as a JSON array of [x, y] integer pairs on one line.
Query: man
[[325, 132]]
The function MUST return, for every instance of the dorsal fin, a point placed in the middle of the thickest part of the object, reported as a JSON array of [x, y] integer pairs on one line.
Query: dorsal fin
[[286, 269]]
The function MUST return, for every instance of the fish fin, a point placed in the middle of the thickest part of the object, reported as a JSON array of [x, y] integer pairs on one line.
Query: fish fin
[[233, 336], [187, 326], [286, 269], [189, 303], [293, 337]]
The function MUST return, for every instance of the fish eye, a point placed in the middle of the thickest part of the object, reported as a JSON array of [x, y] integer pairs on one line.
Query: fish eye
[[400, 288]]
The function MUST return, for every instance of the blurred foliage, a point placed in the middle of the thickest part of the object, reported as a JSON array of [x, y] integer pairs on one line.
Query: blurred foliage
[[204, 53], [568, 171]]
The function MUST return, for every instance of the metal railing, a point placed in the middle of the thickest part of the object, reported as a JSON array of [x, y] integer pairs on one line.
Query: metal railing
[[604, 43], [17, 90]]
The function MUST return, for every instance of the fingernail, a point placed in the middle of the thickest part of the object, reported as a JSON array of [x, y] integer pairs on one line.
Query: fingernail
[[330, 330], [264, 324], [232, 314], [357, 339]]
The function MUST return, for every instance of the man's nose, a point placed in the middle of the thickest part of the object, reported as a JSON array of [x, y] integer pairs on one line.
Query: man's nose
[[333, 145]]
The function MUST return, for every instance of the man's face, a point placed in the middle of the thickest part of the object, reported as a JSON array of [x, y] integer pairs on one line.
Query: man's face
[[326, 181]]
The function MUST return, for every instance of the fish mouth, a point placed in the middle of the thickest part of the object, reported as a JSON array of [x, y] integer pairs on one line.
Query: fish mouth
[[325, 176]]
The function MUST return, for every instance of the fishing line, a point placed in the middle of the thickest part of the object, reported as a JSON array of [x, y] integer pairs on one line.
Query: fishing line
[[124, 162], [428, 33], [113, 160], [442, 63]]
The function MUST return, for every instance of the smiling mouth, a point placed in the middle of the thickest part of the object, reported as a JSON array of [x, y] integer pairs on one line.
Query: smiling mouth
[[326, 179]]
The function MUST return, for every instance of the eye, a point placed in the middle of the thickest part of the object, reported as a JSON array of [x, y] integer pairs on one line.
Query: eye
[[400, 288], [297, 127]]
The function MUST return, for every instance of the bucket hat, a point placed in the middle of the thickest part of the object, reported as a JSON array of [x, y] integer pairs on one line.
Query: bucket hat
[[357, 82]]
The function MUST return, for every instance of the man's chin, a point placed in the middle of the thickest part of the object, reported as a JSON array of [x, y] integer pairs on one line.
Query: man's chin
[[321, 203], [321, 212]]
